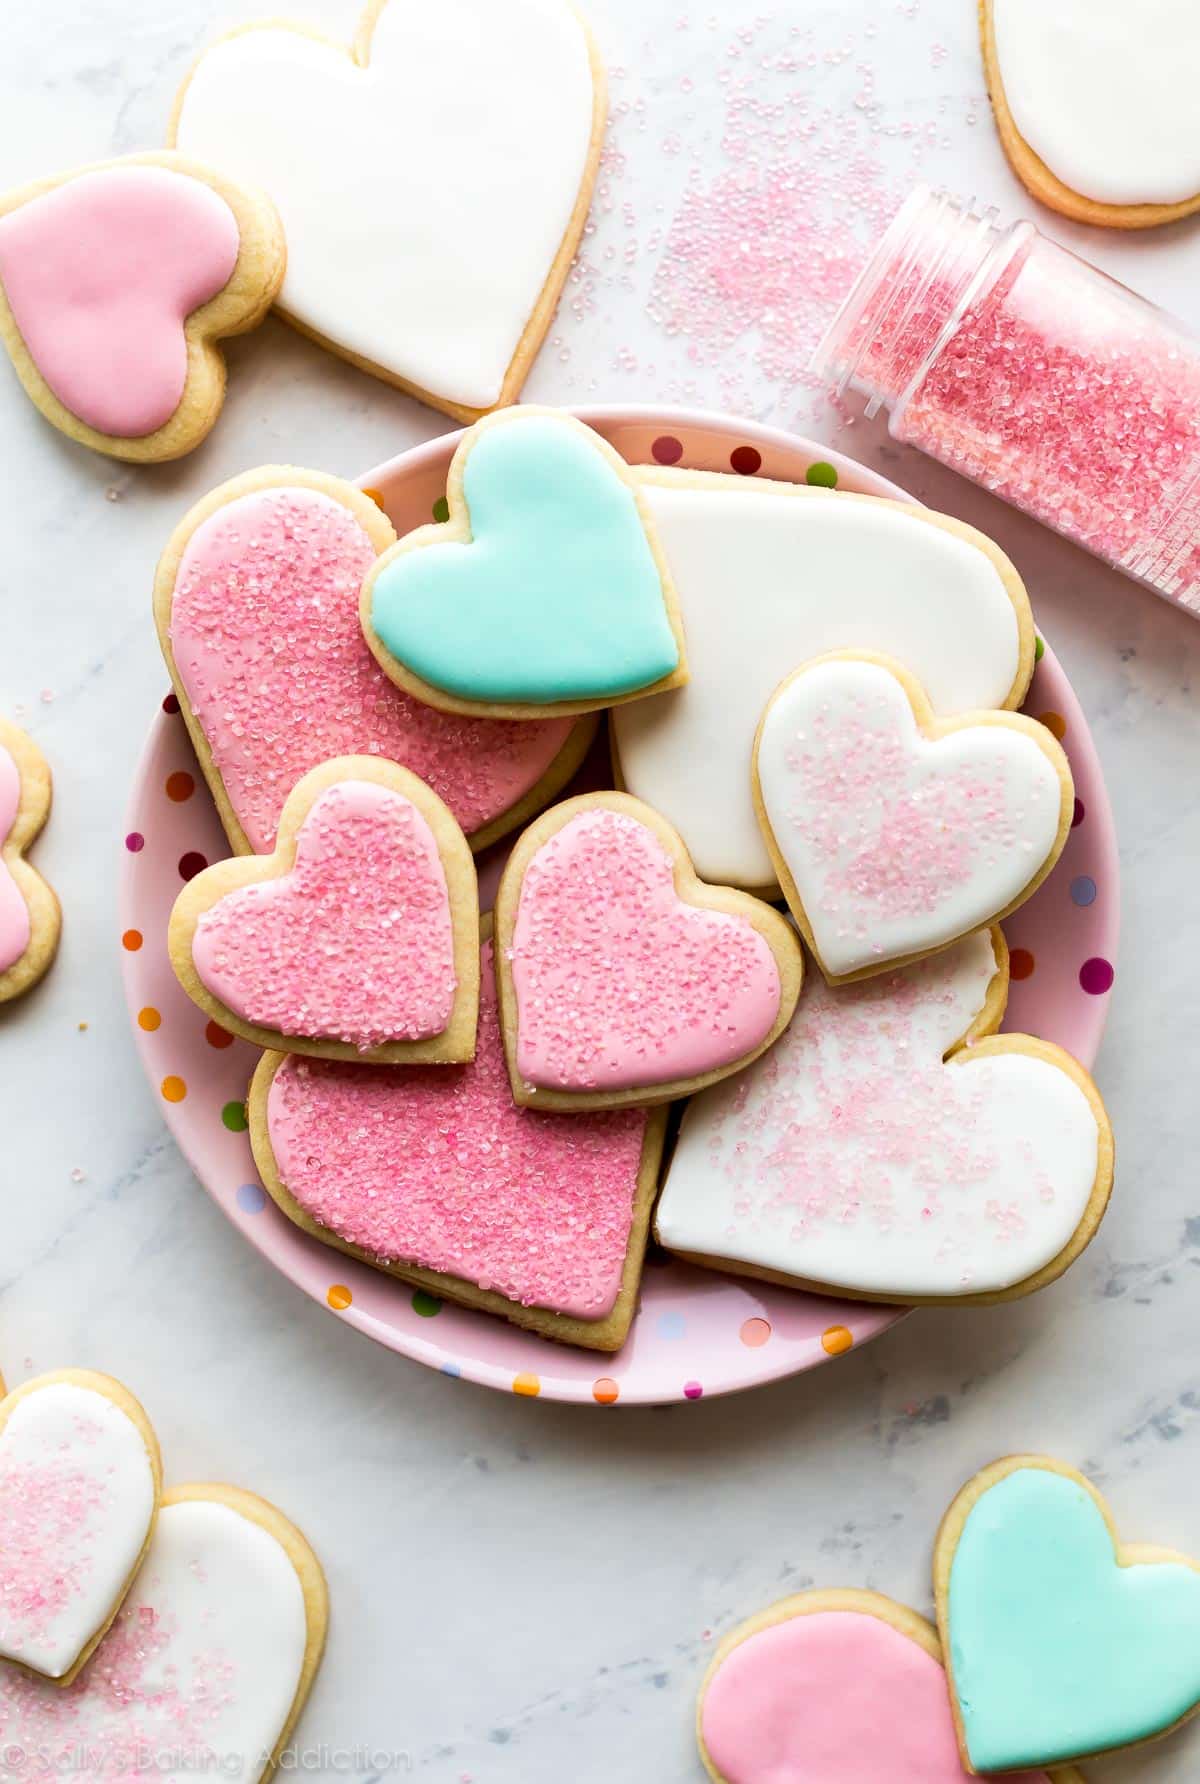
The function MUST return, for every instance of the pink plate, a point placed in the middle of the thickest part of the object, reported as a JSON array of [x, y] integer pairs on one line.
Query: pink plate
[[696, 1333]]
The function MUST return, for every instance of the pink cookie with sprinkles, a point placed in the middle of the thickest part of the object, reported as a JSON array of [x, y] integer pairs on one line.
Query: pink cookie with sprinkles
[[256, 602], [30, 919], [540, 1218], [208, 1663], [892, 1146], [833, 1687], [116, 283], [622, 977], [80, 1478], [356, 939], [894, 833]]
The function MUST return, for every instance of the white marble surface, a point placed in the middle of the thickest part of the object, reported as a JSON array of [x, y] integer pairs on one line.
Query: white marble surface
[[524, 1593]]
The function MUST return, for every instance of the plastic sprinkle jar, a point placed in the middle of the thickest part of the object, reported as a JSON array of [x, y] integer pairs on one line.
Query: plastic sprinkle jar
[[1010, 359]]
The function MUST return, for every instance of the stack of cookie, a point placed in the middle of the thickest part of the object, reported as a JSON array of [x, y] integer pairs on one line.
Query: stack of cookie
[[812, 704]]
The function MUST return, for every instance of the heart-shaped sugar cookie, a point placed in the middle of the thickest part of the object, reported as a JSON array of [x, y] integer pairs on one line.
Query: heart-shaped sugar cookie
[[207, 1666], [1095, 104], [30, 920], [623, 979], [891, 1147], [837, 1687], [439, 1178], [1061, 1642], [257, 605], [116, 281], [544, 592], [80, 1475], [894, 833], [356, 939], [433, 184]]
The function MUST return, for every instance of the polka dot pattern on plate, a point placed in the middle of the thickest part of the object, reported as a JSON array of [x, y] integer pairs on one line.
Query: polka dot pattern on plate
[[251, 1198], [1096, 976], [425, 1304], [1020, 963], [233, 1116], [836, 1340], [606, 1392], [527, 1384], [339, 1297], [755, 1333]]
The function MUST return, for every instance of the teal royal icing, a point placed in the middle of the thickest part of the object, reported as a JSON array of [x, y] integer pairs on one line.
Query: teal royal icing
[[1058, 1652], [558, 596]]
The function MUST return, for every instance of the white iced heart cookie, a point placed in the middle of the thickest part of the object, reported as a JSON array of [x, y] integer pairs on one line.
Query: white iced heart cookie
[[885, 1149], [771, 574], [208, 1664], [80, 1475], [894, 833], [1095, 104], [433, 184]]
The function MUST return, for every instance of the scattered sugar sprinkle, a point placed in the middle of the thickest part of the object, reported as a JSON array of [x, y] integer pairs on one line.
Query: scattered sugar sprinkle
[[437, 1166], [355, 944]]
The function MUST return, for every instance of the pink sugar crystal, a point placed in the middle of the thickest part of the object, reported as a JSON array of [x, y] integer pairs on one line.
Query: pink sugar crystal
[[618, 983], [266, 638], [355, 944], [437, 1166], [47, 1509]]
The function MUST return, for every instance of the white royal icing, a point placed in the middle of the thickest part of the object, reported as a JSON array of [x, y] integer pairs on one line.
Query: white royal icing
[[850, 1156], [1104, 91], [77, 1496], [768, 577], [898, 843], [197, 1675], [424, 196]]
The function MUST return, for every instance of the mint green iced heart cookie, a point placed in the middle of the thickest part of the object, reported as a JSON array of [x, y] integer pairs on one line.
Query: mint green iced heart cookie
[[543, 590], [1058, 1650]]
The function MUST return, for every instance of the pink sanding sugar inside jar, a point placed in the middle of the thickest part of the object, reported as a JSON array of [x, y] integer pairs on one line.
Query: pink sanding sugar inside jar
[[1036, 375]]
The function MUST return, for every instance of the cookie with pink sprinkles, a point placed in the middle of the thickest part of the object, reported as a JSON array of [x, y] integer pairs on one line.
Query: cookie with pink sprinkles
[[540, 1218], [80, 1479], [30, 919], [623, 978], [893, 832], [356, 939]]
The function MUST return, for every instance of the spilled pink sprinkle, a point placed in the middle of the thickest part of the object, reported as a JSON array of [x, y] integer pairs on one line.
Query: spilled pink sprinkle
[[437, 1166], [354, 944], [619, 984]]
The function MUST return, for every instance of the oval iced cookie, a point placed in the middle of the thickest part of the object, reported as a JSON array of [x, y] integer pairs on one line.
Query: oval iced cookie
[[894, 833], [622, 978], [891, 1146], [30, 920], [540, 1218], [772, 574], [211, 1658], [80, 1475], [832, 1686], [1061, 1641], [256, 600], [1095, 105], [116, 283], [356, 939], [545, 592], [443, 285]]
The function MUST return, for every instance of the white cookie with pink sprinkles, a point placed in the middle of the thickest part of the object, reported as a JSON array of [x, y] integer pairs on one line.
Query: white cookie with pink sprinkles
[[80, 1478], [893, 1147], [894, 833], [355, 939]]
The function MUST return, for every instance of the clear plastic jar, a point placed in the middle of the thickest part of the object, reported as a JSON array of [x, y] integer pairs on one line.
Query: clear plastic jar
[[1036, 375]]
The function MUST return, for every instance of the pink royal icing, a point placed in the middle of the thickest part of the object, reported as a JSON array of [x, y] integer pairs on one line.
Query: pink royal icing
[[436, 1166], [101, 273], [835, 1695], [268, 646], [15, 928], [355, 943], [619, 983]]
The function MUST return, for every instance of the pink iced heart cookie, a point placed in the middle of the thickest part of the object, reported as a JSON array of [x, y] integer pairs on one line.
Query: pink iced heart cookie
[[29, 915], [256, 602], [623, 978], [355, 939], [115, 283], [838, 1687], [895, 833], [80, 1476], [437, 1177]]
